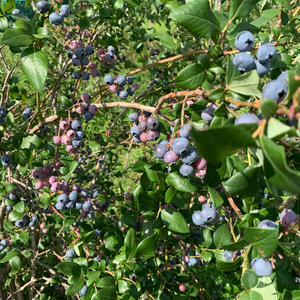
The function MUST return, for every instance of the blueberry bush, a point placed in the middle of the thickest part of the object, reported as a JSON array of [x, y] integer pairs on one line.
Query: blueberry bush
[[150, 150]]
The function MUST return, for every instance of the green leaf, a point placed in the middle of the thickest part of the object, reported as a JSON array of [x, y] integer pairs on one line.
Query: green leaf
[[20, 207], [146, 248], [207, 238], [265, 241], [188, 185], [268, 108], [166, 41], [291, 295], [217, 94], [191, 77], [265, 288], [227, 266], [215, 197], [3, 23], [284, 281], [18, 37], [130, 244], [217, 143], [250, 295], [246, 84], [69, 268], [232, 71], [15, 262], [45, 198], [174, 220], [92, 276], [94, 146], [75, 287], [276, 169], [9, 256], [239, 245], [107, 293], [170, 194], [107, 281], [240, 8], [276, 129], [24, 237], [244, 183], [198, 18], [35, 67], [31, 142], [249, 279], [14, 216], [215, 174], [221, 236]]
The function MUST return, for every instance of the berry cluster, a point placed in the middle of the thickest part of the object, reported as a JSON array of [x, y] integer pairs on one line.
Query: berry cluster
[[80, 58], [86, 109], [244, 41], [73, 139], [58, 18], [107, 56], [117, 84], [207, 215]]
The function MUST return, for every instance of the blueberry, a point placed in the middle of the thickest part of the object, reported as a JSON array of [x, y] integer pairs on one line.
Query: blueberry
[[70, 54], [108, 79], [262, 69], [76, 74], [79, 135], [244, 62], [76, 62], [192, 261], [42, 6], [129, 80], [84, 61], [160, 150], [152, 123], [91, 215], [189, 157], [185, 131], [133, 117], [123, 95], [56, 18], [19, 223], [136, 139], [283, 77], [208, 214], [109, 56], [89, 50], [153, 135], [87, 205], [262, 267], [64, 198], [9, 207], [16, 12], [287, 217], [186, 170], [266, 53], [83, 291], [60, 206], [267, 224], [246, 118], [142, 127], [196, 217], [121, 80], [6, 160], [88, 116], [3, 242], [180, 146], [12, 197], [79, 53], [171, 157], [3, 112], [275, 90], [85, 75], [70, 253], [228, 255], [78, 204], [65, 10], [25, 220], [206, 115], [76, 125], [130, 91], [111, 49], [101, 160], [135, 131], [244, 41], [35, 218]]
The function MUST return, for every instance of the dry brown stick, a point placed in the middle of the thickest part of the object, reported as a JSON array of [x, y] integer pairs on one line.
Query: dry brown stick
[[232, 204], [26, 186], [182, 110], [128, 153]]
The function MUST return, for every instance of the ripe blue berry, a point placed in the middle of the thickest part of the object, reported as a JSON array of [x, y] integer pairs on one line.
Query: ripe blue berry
[[65, 11], [76, 125], [206, 115], [130, 91], [111, 49], [152, 123], [275, 90], [6, 160], [16, 12], [84, 61], [129, 80], [3, 112], [267, 224], [180, 145], [85, 75], [109, 56], [266, 53], [42, 6], [246, 118], [228, 255], [160, 150], [262, 267], [64, 198], [56, 18], [76, 74], [135, 131], [83, 291], [89, 50], [27, 111], [208, 214], [79, 53], [189, 157], [185, 131], [123, 95], [244, 62], [244, 41], [70, 253], [196, 217], [121, 80], [133, 117], [186, 170], [262, 69], [108, 79]]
